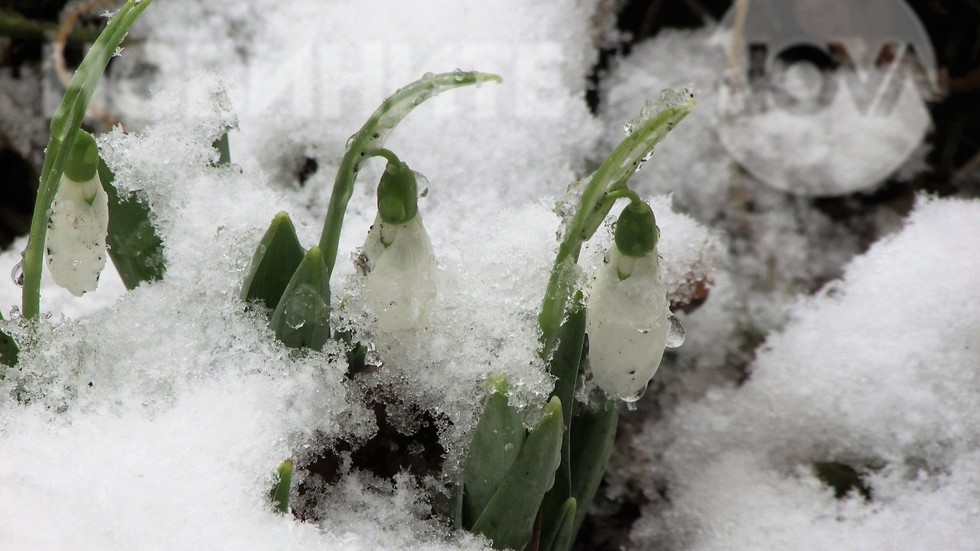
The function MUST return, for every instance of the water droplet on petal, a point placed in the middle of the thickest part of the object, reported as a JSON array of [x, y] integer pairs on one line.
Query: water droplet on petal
[[17, 274], [676, 334], [632, 399], [422, 182], [350, 141], [458, 75], [508, 446]]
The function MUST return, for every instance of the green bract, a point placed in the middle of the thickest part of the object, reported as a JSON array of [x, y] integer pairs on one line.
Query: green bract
[[83, 161], [398, 193], [636, 230]]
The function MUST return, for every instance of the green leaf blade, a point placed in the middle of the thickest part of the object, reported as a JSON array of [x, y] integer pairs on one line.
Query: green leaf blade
[[302, 317], [508, 519], [276, 259], [593, 434], [563, 536], [565, 366], [135, 247], [496, 443]]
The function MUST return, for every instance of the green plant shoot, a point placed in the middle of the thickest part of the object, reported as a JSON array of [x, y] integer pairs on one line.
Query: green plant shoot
[[64, 128]]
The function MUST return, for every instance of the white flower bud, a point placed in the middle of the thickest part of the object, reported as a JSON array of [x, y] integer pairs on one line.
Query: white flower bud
[[627, 323], [76, 234], [400, 268]]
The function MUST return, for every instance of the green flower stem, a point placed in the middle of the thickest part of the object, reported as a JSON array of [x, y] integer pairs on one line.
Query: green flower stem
[[604, 186], [64, 128], [624, 193], [370, 139], [386, 153]]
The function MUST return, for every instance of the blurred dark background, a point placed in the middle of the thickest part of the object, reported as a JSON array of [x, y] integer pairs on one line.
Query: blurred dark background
[[26, 26]]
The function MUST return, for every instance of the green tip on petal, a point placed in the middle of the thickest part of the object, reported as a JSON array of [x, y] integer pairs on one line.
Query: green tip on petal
[[398, 194], [83, 162], [636, 230]]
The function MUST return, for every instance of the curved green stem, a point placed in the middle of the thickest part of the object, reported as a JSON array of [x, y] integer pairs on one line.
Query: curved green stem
[[624, 193], [370, 139], [386, 153], [64, 127], [604, 186]]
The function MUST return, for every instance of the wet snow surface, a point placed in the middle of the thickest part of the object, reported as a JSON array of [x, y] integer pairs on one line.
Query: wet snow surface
[[154, 419]]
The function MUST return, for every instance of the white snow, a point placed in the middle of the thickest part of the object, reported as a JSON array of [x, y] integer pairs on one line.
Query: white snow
[[154, 419], [877, 371]]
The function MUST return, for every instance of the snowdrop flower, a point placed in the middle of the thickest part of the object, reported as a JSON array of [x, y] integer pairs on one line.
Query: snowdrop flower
[[627, 319], [79, 221], [397, 260]]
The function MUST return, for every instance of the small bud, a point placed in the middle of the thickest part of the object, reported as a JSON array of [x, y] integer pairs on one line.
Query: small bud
[[398, 194], [79, 221]]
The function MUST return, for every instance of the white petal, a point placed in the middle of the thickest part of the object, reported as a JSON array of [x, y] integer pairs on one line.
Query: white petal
[[627, 325], [76, 235], [400, 287]]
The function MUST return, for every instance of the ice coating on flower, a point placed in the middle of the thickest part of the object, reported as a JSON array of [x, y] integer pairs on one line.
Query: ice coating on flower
[[400, 267], [77, 228], [627, 323]]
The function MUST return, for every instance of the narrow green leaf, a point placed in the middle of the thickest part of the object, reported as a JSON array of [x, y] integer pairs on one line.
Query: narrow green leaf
[[563, 535], [275, 260], [593, 434], [496, 444], [134, 245], [568, 356], [565, 367], [8, 350], [280, 490], [509, 517], [302, 317]]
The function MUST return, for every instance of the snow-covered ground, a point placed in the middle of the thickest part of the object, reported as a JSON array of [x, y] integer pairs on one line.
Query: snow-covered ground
[[154, 419]]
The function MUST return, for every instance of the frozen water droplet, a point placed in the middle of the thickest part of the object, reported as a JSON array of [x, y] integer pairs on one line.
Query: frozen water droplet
[[676, 334], [422, 182], [428, 76], [458, 75], [631, 399], [17, 274], [350, 141], [628, 128], [647, 156], [118, 52], [508, 446]]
